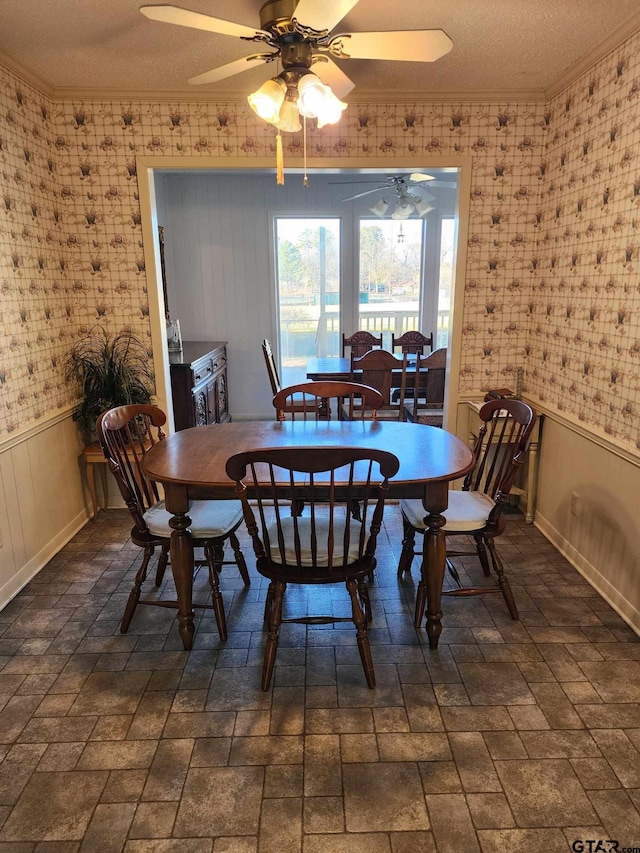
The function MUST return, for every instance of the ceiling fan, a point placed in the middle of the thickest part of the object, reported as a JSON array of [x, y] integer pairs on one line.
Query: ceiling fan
[[406, 202], [298, 33]]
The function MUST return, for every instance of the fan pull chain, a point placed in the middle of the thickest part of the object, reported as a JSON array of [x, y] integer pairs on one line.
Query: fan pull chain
[[279, 161], [305, 181]]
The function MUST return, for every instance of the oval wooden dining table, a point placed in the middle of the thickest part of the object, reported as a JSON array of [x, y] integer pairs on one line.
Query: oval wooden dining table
[[190, 464]]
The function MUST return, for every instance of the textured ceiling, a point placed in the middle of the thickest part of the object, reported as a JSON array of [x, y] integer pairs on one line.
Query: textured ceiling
[[499, 45]]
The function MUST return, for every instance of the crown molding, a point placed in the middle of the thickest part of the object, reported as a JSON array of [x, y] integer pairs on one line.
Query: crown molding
[[29, 77], [207, 96], [626, 29]]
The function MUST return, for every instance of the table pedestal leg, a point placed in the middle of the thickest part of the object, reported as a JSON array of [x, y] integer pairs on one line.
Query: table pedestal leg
[[433, 569], [182, 568]]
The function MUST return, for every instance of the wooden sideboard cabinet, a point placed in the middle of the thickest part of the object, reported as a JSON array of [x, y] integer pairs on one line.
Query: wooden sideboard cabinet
[[199, 384]]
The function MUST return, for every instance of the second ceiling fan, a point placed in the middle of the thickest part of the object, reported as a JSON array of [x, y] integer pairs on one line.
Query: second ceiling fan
[[407, 201]]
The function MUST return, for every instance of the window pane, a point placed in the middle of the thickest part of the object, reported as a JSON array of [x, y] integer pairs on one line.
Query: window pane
[[308, 281], [390, 275]]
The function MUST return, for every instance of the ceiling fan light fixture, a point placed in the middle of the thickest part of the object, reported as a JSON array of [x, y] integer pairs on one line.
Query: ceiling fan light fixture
[[331, 109], [403, 210], [380, 207], [316, 100], [289, 119], [311, 94], [423, 207], [267, 101]]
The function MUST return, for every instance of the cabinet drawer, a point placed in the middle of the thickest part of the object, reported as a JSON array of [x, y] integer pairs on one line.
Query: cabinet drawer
[[219, 360], [201, 370]]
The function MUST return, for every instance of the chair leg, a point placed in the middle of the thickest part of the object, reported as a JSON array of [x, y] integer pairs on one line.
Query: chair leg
[[239, 558], [275, 619], [365, 601], [421, 601], [371, 576], [503, 581], [163, 559], [134, 595], [214, 558], [408, 549], [482, 554], [359, 621], [268, 604]]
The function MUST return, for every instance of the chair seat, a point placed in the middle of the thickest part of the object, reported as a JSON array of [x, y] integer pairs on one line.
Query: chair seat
[[321, 532], [424, 413], [434, 418], [467, 511], [210, 519]]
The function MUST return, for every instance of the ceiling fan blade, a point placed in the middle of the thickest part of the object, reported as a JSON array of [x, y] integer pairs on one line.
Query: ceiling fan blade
[[368, 192], [322, 14], [403, 45], [332, 75], [228, 70], [418, 177], [185, 18]]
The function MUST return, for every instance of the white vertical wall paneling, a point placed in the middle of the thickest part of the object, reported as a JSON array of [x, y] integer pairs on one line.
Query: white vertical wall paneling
[[42, 503], [605, 523], [12, 554]]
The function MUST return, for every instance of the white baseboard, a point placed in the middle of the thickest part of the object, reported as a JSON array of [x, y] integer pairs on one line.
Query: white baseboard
[[611, 595], [13, 586]]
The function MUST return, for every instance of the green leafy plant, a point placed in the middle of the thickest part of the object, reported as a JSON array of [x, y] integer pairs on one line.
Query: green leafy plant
[[109, 370]]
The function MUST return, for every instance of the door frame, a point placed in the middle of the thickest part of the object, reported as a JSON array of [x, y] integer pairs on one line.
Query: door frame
[[148, 167]]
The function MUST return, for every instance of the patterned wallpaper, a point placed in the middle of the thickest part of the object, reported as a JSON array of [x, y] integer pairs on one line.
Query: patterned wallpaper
[[39, 309], [583, 345], [71, 253]]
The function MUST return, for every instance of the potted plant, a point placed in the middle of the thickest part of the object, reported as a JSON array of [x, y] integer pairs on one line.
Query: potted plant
[[109, 370]]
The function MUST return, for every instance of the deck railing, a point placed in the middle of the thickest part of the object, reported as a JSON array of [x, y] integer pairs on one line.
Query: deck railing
[[305, 338]]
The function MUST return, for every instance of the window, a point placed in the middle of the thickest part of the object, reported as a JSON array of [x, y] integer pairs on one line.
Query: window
[[346, 270], [390, 254], [308, 288]]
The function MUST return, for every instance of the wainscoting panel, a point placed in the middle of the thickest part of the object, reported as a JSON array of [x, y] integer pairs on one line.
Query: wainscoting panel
[[43, 499], [588, 507]]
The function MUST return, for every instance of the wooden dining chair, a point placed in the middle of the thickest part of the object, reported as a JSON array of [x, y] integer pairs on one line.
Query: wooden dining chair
[[425, 405], [376, 369], [272, 370], [324, 545], [297, 404], [505, 430], [126, 433], [327, 400], [360, 342], [412, 342]]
